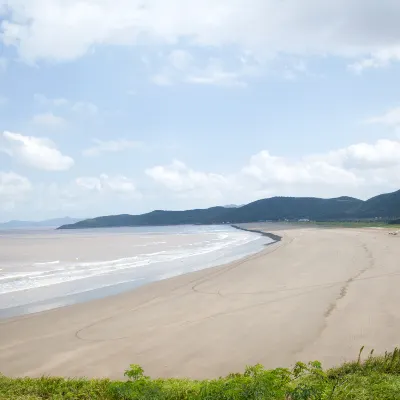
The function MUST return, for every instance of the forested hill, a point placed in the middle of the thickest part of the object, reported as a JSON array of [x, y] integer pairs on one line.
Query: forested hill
[[386, 206]]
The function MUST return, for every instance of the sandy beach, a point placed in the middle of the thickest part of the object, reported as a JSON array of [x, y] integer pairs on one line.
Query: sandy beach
[[317, 294]]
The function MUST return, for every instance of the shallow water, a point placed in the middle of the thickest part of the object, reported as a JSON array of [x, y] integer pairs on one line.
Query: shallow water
[[45, 269]]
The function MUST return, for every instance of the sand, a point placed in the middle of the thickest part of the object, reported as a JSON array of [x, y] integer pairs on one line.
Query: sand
[[317, 294]]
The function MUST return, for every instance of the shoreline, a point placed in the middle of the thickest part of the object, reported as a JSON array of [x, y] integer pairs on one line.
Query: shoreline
[[237, 253], [275, 238], [300, 299]]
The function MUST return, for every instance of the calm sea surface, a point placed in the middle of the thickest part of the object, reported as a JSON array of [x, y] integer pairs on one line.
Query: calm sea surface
[[44, 269]]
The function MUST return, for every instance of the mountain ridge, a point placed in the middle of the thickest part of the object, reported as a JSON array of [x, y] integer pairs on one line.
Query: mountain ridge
[[19, 224], [384, 206]]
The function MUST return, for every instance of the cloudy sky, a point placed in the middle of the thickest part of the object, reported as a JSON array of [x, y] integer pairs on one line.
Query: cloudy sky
[[124, 106]]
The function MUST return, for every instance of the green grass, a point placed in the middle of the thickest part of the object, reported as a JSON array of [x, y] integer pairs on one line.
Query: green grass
[[352, 224], [376, 378]]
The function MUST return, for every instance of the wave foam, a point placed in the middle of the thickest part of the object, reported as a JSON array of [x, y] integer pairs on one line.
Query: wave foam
[[214, 241]]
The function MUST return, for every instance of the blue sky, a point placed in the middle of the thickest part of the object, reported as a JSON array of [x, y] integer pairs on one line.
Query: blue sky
[[126, 106]]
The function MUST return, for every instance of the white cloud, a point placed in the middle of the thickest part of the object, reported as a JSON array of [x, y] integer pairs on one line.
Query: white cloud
[[364, 156], [293, 70], [182, 67], [367, 63], [48, 120], [359, 170], [274, 170], [379, 59], [35, 152], [180, 59], [81, 107], [215, 74], [45, 101], [162, 79], [390, 118], [86, 108], [111, 146], [182, 180], [60, 30], [106, 184], [13, 188], [85, 197]]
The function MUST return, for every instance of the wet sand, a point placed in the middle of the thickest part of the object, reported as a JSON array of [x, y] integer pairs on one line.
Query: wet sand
[[317, 294]]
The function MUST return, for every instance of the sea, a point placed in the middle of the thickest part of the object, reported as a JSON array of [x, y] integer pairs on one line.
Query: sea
[[46, 268]]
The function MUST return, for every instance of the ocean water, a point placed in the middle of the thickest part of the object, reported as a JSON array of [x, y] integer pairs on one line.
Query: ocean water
[[46, 268]]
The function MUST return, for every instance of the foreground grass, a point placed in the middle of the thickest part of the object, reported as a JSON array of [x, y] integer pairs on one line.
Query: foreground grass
[[376, 378]]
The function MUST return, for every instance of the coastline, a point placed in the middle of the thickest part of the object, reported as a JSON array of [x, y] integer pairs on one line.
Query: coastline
[[300, 299], [172, 269], [275, 238]]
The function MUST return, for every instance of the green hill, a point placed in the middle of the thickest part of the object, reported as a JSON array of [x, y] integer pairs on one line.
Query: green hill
[[153, 218], [279, 208], [385, 206]]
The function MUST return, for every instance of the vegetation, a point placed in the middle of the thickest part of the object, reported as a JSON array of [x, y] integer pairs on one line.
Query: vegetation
[[354, 224], [375, 378], [386, 207]]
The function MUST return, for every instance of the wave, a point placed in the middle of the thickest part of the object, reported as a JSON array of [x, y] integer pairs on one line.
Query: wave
[[139, 264], [46, 263]]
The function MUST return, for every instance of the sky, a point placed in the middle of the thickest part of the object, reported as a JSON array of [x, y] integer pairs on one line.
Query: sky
[[125, 106]]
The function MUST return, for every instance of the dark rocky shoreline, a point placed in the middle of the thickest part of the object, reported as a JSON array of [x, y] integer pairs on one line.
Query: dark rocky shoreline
[[275, 238]]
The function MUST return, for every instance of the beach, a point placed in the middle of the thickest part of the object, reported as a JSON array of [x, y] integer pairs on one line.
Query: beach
[[319, 293]]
